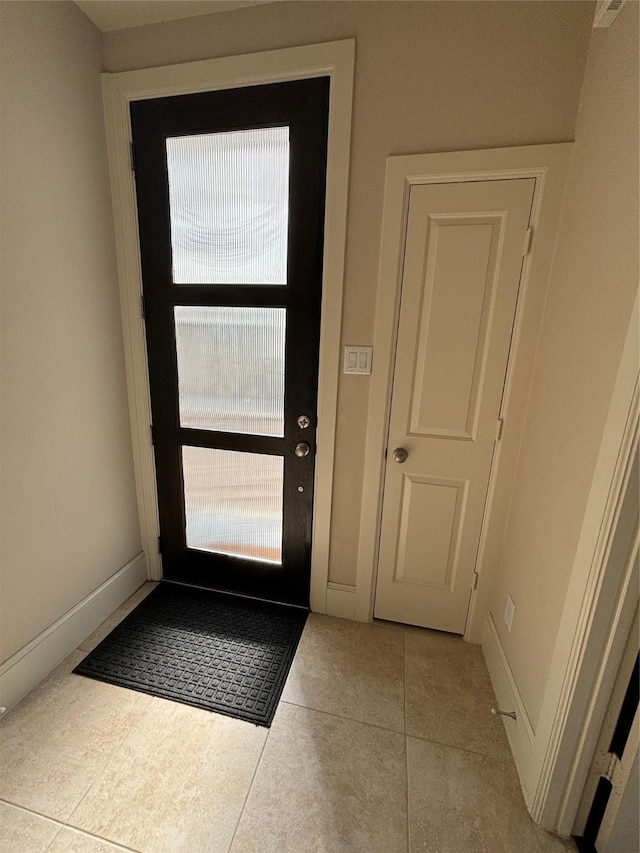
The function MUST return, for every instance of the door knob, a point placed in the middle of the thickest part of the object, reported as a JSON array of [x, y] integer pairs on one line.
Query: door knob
[[302, 449], [400, 455]]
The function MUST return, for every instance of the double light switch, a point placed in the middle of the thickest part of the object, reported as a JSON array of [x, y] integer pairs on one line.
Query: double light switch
[[357, 359]]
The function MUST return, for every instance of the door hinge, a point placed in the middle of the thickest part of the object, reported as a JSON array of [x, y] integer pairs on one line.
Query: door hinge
[[605, 765], [143, 307], [611, 766], [528, 237], [499, 429], [159, 544], [132, 157]]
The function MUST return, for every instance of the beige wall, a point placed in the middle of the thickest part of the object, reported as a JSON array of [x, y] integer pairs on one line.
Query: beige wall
[[68, 510], [430, 76], [588, 310]]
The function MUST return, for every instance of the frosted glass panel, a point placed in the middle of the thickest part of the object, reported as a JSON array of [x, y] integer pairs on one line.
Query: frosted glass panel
[[233, 502], [228, 198], [231, 368]]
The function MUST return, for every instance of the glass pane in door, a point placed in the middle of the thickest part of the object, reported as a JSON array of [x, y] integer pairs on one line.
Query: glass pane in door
[[228, 201], [233, 502], [231, 368]]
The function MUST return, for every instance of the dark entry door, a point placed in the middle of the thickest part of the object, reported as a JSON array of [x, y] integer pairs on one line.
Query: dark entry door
[[230, 188]]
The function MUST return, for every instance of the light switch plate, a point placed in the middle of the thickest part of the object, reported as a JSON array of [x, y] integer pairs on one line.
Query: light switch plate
[[357, 359]]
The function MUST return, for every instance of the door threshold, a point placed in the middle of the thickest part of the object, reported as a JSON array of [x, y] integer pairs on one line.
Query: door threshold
[[235, 594]]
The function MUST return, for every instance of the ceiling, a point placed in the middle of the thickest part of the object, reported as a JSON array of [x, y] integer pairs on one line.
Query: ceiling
[[109, 15]]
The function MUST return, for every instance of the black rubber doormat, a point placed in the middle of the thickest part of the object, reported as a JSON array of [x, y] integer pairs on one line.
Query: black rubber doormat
[[215, 651]]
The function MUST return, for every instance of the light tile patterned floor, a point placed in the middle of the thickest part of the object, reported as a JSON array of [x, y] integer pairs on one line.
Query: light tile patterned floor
[[383, 743]]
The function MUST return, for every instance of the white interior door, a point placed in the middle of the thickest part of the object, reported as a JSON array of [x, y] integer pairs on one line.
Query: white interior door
[[464, 249]]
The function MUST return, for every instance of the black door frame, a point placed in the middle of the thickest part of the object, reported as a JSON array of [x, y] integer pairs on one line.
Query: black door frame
[[303, 106]]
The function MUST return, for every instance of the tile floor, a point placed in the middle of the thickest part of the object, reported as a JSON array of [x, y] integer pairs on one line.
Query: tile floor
[[382, 743]]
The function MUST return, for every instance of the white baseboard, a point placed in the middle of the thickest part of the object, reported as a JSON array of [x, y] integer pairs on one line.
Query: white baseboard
[[341, 600], [520, 731], [28, 666]]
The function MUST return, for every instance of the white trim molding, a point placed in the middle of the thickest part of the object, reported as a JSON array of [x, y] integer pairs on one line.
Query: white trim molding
[[520, 732], [28, 666], [599, 607], [333, 59], [341, 600], [548, 166]]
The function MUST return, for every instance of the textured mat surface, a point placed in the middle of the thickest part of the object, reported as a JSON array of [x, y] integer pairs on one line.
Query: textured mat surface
[[219, 652]]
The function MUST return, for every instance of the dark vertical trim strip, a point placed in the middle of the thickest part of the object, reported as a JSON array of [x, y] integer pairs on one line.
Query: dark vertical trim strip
[[598, 808], [627, 712]]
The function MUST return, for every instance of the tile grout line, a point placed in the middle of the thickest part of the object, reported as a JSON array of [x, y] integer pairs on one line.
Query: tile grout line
[[85, 834], [74, 828], [26, 809], [50, 844], [100, 773], [258, 763], [508, 760], [61, 825], [341, 716], [115, 844]]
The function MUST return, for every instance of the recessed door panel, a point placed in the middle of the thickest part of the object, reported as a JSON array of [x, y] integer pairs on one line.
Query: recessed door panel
[[461, 267], [457, 305], [432, 509]]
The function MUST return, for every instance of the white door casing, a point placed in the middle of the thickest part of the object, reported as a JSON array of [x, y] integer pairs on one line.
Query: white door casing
[[333, 59], [464, 250], [548, 166]]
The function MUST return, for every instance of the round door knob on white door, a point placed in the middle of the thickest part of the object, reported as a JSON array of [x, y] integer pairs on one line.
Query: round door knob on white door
[[302, 449], [400, 455]]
